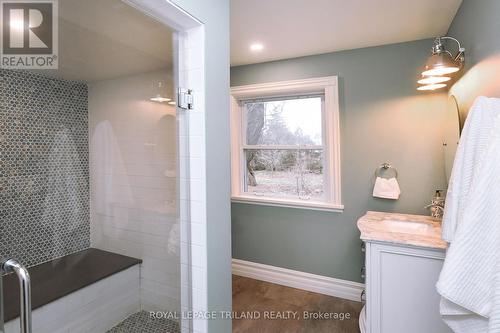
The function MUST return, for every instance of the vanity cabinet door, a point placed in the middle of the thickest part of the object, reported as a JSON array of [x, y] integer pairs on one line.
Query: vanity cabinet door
[[401, 292]]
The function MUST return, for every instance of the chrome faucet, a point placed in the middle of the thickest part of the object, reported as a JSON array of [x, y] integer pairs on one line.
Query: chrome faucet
[[437, 211], [437, 205]]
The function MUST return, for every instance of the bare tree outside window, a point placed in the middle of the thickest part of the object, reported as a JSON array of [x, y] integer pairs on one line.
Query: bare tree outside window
[[287, 161], [255, 127]]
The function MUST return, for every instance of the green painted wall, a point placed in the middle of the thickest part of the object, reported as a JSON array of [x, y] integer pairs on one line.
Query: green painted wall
[[383, 118], [215, 16], [477, 26]]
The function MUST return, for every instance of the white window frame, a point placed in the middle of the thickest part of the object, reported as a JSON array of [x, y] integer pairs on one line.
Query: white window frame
[[327, 86]]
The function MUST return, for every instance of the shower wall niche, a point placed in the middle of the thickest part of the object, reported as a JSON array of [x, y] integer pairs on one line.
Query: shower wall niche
[[44, 167]]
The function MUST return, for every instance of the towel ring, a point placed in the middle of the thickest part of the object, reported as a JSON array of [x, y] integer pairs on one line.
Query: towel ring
[[385, 166]]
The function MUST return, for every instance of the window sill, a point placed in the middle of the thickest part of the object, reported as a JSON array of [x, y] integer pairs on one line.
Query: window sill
[[288, 203]]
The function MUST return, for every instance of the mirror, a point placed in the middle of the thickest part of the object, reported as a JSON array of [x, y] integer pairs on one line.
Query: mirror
[[451, 137]]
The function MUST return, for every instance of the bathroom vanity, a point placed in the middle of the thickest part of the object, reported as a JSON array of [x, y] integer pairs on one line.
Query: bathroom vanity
[[404, 256]]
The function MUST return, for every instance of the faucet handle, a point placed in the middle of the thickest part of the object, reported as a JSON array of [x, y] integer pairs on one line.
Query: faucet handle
[[437, 209]]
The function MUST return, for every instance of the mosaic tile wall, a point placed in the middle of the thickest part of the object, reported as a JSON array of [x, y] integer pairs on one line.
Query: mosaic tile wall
[[44, 173]]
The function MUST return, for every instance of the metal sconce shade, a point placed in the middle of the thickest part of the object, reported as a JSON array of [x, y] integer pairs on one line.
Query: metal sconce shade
[[440, 64], [434, 79], [432, 86], [160, 93]]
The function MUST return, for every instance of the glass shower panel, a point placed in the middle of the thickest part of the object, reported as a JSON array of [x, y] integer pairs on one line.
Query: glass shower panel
[[89, 188]]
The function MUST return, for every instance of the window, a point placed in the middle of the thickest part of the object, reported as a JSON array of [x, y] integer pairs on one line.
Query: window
[[285, 144]]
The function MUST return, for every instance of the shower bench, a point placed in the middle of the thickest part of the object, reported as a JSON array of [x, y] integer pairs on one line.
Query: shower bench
[[88, 291]]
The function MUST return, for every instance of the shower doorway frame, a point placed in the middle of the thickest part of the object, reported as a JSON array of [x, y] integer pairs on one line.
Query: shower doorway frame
[[189, 69]]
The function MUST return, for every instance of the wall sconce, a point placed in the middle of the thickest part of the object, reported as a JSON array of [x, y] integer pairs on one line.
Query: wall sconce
[[159, 94], [440, 64]]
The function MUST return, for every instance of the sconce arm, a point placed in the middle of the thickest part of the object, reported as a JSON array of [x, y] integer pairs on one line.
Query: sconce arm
[[461, 50]]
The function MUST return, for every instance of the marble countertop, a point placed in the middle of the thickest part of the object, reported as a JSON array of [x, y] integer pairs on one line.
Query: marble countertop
[[423, 231]]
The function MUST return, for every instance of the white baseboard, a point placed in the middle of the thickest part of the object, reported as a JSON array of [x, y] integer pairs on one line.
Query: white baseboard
[[300, 280]]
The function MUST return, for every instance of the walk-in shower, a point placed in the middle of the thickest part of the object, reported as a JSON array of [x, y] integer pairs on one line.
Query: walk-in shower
[[90, 199]]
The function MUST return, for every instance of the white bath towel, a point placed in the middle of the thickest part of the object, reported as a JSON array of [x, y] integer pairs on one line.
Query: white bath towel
[[470, 280], [362, 320], [475, 137], [386, 188]]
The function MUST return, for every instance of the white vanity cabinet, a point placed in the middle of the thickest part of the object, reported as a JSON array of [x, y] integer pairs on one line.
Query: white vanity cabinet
[[401, 296]]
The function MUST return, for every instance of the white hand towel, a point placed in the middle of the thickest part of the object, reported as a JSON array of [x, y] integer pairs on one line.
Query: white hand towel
[[386, 188]]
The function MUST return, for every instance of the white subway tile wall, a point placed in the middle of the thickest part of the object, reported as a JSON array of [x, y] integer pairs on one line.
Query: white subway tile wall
[[193, 182], [133, 155], [133, 179]]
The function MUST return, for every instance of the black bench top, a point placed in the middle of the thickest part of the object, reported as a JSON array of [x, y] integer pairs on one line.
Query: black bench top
[[60, 277]]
